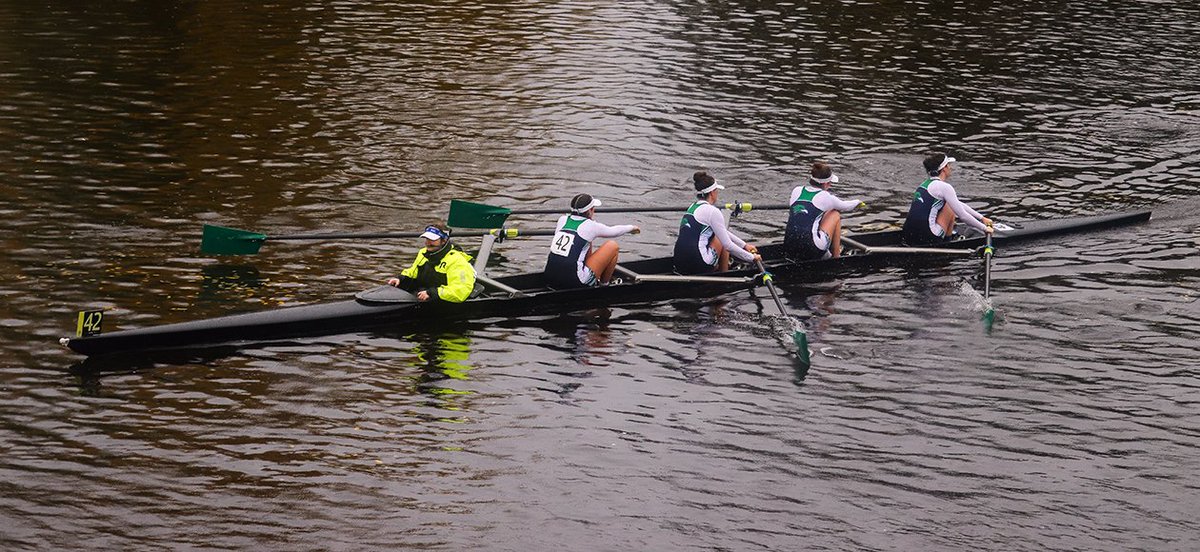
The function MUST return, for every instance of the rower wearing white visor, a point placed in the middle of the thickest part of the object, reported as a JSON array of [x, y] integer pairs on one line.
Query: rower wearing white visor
[[929, 221], [573, 262], [704, 243], [814, 226]]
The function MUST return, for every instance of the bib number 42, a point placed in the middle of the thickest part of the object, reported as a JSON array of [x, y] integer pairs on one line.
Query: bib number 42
[[562, 243]]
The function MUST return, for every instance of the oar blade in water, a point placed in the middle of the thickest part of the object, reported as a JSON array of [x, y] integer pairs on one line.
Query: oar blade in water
[[466, 214], [798, 336], [989, 313], [218, 240], [801, 340], [989, 318]]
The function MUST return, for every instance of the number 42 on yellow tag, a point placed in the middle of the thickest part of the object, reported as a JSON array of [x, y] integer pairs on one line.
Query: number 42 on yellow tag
[[89, 323]]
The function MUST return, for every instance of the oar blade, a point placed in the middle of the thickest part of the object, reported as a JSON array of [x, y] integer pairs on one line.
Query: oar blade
[[218, 240], [465, 214], [798, 336], [989, 319], [801, 340]]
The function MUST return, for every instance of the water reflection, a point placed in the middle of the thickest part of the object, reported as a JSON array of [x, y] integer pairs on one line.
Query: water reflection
[[821, 305], [443, 359], [223, 281], [588, 334], [90, 372], [819, 323]]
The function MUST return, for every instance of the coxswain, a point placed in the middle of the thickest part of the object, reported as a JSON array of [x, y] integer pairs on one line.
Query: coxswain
[[814, 225], [441, 271], [929, 221], [704, 243], [574, 260]]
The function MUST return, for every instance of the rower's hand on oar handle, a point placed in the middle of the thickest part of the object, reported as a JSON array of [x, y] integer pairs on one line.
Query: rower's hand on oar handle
[[862, 205], [393, 282], [636, 230], [987, 223], [753, 250]]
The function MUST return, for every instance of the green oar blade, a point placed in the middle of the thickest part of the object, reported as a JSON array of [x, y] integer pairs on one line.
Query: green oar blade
[[989, 319], [801, 340], [798, 336], [465, 214], [218, 240]]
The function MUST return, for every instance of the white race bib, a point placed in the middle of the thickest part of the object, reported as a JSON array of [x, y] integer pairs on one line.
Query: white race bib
[[562, 243]]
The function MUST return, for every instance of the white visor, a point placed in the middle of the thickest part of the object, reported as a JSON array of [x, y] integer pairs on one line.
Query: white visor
[[714, 186], [948, 160], [832, 178], [595, 203], [433, 233]]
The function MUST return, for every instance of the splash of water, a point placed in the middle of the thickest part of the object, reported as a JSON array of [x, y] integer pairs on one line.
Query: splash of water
[[981, 305], [978, 302]]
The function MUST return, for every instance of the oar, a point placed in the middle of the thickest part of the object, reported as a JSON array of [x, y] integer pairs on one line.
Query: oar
[[798, 334], [219, 240], [988, 251], [989, 313], [467, 214]]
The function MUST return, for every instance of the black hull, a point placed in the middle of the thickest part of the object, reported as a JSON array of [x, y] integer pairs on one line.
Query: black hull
[[359, 314]]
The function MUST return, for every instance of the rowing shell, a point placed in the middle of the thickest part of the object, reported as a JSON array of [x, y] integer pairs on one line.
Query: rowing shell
[[524, 294]]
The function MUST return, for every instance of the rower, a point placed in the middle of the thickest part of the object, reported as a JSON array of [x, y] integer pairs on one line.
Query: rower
[[441, 271], [572, 261], [704, 243], [814, 226], [929, 221]]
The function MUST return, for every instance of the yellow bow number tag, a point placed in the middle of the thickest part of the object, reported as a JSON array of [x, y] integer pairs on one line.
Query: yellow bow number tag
[[89, 323]]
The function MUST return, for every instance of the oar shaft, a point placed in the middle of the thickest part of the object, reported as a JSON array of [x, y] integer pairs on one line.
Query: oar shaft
[[508, 233], [346, 236], [987, 268], [775, 295], [771, 288], [741, 206]]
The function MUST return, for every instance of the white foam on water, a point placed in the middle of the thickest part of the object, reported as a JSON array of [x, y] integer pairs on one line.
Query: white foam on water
[[978, 303], [832, 353]]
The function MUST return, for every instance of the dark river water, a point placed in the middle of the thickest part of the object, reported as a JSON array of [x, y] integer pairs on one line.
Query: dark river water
[[1073, 424]]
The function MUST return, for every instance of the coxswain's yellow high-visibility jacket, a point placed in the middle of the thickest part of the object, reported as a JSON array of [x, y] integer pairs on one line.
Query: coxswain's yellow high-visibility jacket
[[446, 274]]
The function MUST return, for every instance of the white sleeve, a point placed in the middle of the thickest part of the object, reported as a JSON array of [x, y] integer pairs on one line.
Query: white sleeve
[[945, 192], [707, 214], [561, 222], [591, 230], [829, 202]]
